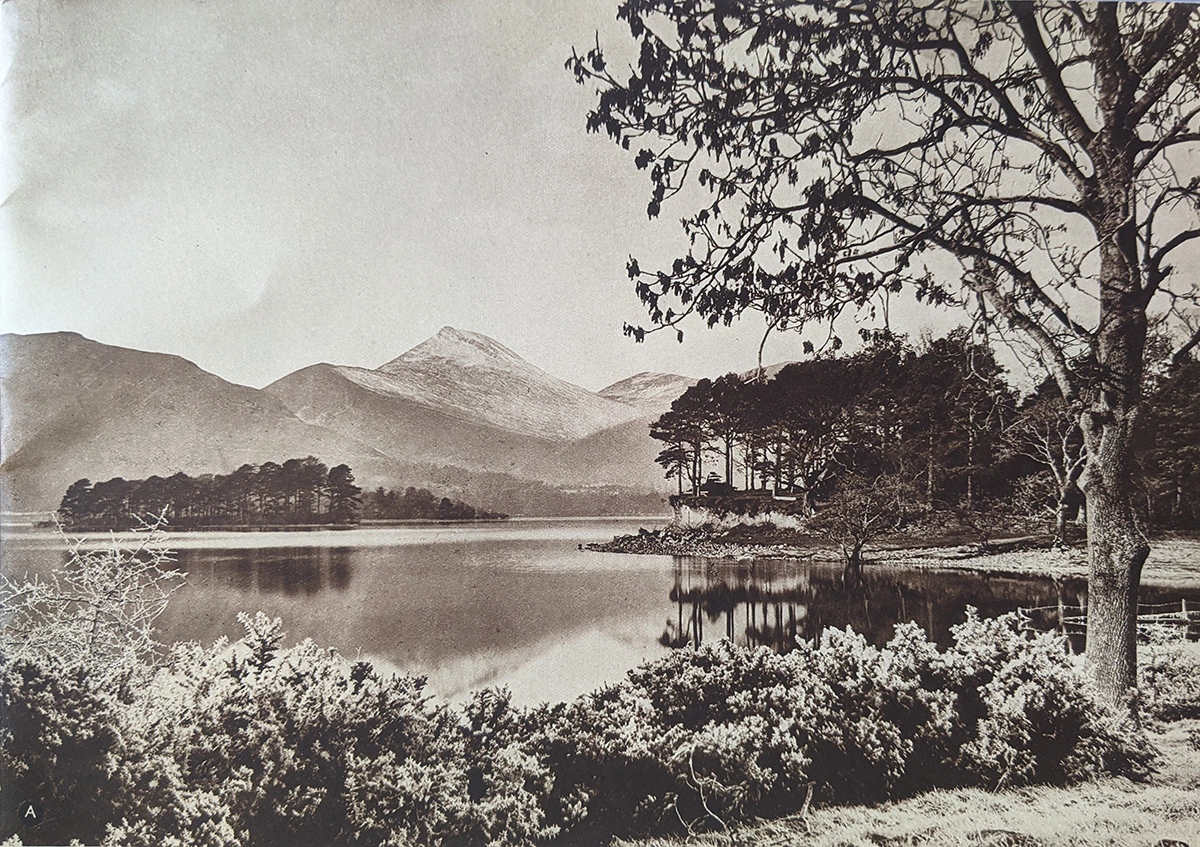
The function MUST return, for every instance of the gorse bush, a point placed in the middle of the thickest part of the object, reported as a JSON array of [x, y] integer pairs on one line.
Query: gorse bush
[[60, 745], [1026, 714], [721, 733], [1170, 674], [303, 747], [250, 743]]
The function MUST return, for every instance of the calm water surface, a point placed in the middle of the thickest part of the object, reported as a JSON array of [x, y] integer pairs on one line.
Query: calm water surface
[[519, 604]]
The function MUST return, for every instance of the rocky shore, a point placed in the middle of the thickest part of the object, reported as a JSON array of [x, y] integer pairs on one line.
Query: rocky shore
[[695, 542]]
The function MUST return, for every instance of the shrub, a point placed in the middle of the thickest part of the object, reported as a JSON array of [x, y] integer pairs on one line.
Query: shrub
[[507, 783], [59, 747], [298, 744], [1029, 713], [99, 612], [250, 743], [610, 777], [1170, 675], [721, 732], [268, 746], [882, 715]]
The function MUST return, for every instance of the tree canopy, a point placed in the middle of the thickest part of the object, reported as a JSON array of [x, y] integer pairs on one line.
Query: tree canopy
[[932, 415], [300, 491], [842, 145]]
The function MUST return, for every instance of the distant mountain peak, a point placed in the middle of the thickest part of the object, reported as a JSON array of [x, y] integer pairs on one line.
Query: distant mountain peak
[[473, 378], [649, 378], [469, 348], [652, 392]]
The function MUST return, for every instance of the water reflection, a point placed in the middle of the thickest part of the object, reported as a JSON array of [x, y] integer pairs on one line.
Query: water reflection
[[522, 605], [289, 571], [772, 603]]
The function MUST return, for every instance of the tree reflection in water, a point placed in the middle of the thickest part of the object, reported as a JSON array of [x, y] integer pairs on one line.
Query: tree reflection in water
[[772, 603], [288, 571]]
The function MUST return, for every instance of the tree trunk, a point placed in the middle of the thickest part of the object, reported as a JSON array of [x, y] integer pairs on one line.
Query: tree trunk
[[929, 476], [970, 498], [1116, 552], [1060, 518], [806, 506], [1116, 547]]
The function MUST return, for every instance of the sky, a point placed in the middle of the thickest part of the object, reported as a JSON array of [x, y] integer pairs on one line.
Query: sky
[[259, 186]]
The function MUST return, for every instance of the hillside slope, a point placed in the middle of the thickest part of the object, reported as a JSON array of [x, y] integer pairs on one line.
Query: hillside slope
[[76, 408], [465, 400]]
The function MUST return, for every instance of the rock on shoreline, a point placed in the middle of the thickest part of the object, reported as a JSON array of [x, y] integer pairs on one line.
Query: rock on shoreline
[[656, 542]]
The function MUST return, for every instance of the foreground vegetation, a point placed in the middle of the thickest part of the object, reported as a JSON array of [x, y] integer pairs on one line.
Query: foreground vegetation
[[252, 744], [118, 740], [1164, 810]]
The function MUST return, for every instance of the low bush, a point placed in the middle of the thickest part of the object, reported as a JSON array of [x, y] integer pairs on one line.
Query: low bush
[[303, 747], [252, 744], [720, 733], [1169, 671], [60, 742], [1026, 712]]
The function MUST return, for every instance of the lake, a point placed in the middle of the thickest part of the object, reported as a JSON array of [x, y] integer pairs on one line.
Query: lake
[[518, 603]]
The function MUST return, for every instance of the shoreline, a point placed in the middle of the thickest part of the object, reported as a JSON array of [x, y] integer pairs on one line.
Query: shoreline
[[1174, 561], [294, 527]]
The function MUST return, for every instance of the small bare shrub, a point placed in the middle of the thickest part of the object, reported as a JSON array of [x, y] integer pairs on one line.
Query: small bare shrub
[[96, 612]]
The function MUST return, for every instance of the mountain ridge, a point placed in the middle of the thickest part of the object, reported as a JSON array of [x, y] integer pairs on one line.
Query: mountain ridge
[[474, 378], [490, 409], [648, 390], [75, 408]]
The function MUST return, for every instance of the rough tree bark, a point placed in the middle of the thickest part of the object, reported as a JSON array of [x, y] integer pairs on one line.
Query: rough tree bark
[[1117, 549]]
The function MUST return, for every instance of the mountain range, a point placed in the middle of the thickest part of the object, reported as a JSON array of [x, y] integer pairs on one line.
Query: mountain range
[[459, 411]]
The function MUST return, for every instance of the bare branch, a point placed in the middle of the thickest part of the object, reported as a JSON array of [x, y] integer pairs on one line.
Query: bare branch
[[1068, 112]]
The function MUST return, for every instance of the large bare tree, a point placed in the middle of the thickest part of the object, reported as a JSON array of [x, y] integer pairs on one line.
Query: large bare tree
[[1035, 162]]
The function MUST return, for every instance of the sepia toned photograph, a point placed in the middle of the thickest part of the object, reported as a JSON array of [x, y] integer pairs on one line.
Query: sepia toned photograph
[[558, 423]]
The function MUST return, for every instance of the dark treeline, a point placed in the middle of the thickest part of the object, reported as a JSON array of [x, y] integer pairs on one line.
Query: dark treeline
[[420, 504], [940, 420], [299, 491]]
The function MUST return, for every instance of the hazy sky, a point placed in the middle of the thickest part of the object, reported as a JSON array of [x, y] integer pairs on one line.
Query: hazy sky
[[258, 186]]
